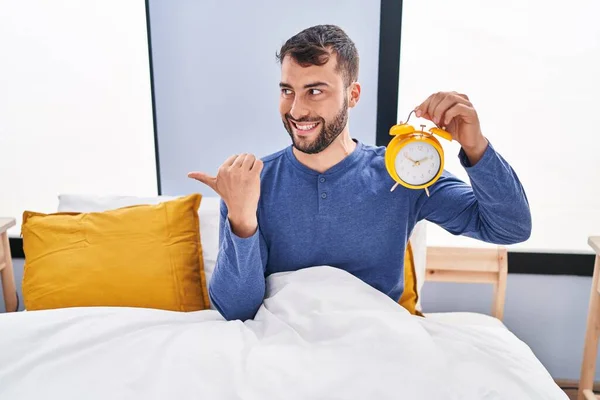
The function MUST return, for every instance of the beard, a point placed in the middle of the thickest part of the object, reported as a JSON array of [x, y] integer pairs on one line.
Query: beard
[[329, 131]]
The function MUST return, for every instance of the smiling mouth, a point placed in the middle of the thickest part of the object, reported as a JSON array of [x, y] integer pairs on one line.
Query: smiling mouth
[[304, 128]]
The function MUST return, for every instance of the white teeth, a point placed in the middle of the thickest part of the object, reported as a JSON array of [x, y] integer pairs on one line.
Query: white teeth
[[305, 127]]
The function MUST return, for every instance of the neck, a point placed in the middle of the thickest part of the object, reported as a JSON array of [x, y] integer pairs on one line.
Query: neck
[[339, 149]]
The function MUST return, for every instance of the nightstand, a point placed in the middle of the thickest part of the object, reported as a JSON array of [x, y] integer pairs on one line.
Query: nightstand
[[7, 277], [588, 366]]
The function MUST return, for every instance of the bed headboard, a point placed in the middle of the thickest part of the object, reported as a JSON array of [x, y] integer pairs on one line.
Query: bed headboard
[[470, 265]]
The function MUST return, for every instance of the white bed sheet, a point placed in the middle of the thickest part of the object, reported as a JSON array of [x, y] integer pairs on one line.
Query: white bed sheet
[[465, 319], [320, 334]]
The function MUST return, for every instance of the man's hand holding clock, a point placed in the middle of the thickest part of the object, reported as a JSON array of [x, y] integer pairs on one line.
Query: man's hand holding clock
[[454, 113]]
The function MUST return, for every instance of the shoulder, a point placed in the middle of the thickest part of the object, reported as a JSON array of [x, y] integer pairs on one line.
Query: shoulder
[[272, 162], [275, 166], [273, 157], [373, 158], [373, 152]]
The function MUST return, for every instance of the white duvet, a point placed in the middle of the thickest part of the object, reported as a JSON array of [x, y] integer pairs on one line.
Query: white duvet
[[320, 334]]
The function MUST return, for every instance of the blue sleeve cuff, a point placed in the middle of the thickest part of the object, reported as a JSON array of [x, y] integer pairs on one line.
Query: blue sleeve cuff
[[482, 164], [239, 243]]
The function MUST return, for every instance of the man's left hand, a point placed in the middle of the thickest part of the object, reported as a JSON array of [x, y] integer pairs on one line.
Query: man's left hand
[[454, 113]]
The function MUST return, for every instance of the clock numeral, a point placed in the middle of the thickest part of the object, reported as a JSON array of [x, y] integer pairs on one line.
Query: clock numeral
[[420, 148]]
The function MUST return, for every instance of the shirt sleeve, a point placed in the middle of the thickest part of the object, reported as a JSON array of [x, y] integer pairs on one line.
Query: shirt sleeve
[[494, 208], [237, 286]]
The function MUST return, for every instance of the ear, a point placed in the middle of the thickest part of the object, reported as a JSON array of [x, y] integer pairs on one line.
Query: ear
[[353, 94]]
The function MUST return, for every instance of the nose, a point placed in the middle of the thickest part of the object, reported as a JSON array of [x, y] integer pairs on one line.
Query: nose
[[299, 109]]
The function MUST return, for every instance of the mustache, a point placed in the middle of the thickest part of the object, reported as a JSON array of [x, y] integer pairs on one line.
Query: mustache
[[303, 119]]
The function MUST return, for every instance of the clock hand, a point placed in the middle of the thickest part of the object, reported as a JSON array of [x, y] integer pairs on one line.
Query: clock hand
[[410, 159]]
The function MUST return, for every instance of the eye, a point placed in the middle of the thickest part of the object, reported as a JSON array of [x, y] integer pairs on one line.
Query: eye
[[315, 91], [286, 92]]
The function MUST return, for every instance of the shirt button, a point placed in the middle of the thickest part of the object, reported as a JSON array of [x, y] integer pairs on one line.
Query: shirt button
[[322, 180], [323, 195]]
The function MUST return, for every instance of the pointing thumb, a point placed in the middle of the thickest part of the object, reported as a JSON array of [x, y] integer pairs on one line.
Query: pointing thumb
[[208, 180]]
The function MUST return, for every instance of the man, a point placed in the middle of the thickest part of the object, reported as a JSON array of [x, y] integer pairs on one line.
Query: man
[[326, 199]]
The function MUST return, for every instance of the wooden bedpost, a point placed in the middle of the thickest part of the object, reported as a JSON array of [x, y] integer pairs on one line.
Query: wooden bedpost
[[500, 285], [590, 351], [7, 277]]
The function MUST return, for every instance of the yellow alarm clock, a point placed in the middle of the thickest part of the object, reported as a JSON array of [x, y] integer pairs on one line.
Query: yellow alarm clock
[[415, 158]]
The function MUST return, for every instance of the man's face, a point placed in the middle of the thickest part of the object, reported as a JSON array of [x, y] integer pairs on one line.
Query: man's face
[[313, 104]]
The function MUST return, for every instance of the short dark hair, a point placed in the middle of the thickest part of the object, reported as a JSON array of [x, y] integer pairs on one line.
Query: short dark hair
[[314, 45]]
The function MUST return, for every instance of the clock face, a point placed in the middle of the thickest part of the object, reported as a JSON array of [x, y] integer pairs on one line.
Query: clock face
[[417, 163]]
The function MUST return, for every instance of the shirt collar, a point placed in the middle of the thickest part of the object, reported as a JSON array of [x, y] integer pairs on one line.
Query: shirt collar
[[349, 160]]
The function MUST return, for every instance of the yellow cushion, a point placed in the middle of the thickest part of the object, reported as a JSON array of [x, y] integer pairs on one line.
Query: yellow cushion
[[140, 256], [409, 296]]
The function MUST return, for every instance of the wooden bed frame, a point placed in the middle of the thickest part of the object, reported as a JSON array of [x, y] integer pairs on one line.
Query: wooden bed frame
[[7, 278], [470, 265]]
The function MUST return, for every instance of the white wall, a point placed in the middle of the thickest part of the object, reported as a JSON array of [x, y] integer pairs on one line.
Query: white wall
[[75, 102], [531, 70]]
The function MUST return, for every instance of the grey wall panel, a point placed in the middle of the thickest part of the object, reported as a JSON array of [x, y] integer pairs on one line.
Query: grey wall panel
[[216, 77]]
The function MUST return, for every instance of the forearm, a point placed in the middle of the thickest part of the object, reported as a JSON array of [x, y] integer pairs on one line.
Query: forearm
[[493, 209], [503, 210], [242, 226], [475, 152], [237, 286]]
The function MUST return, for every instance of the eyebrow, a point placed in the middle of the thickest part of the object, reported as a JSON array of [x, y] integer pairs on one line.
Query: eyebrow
[[307, 86]]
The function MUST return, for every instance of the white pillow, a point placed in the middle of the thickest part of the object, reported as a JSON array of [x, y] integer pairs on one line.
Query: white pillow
[[91, 203], [209, 214]]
